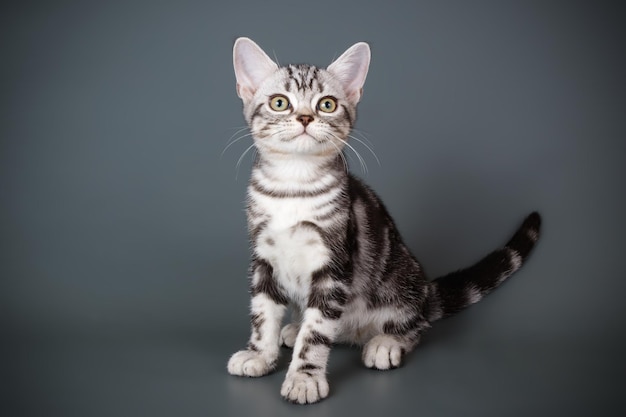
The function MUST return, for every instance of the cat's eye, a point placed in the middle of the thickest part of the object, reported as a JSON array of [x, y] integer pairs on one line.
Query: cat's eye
[[279, 103], [327, 104]]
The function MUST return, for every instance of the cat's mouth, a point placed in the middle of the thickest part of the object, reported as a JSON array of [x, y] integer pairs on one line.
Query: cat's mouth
[[307, 136], [303, 143], [303, 137]]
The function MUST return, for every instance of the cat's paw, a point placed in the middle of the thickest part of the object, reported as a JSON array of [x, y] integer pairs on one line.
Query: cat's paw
[[288, 335], [304, 388], [248, 363], [383, 352]]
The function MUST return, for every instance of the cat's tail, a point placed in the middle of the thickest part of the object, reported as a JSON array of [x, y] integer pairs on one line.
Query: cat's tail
[[457, 290]]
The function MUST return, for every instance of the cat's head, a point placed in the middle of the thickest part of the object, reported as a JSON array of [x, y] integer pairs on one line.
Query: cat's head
[[299, 109]]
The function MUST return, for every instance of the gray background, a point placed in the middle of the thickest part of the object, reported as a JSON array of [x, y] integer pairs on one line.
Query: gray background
[[123, 249]]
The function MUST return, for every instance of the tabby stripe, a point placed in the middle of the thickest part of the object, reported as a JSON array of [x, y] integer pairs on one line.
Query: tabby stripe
[[327, 216], [411, 325], [256, 112], [309, 367], [258, 187], [266, 283], [347, 115], [303, 352], [254, 232], [257, 321], [316, 338]]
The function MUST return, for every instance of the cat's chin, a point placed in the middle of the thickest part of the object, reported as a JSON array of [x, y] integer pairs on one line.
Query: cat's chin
[[303, 145], [324, 153], [306, 138]]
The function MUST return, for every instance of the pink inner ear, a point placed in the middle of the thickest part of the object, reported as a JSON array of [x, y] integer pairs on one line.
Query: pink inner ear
[[252, 67], [351, 69]]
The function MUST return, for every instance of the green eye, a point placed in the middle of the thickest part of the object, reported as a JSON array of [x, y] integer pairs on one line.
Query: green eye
[[327, 104], [279, 103]]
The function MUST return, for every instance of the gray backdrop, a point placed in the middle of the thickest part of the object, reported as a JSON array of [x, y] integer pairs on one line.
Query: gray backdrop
[[123, 249]]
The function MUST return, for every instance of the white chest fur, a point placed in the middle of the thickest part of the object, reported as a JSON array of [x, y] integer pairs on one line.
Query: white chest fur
[[290, 243]]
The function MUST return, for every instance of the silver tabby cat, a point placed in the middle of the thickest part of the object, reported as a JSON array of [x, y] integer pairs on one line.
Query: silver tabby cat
[[323, 242]]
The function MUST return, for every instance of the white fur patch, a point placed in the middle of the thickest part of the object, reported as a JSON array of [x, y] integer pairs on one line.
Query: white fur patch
[[294, 253], [359, 323], [383, 352], [516, 260], [304, 389], [288, 335], [474, 295], [532, 234], [248, 363]]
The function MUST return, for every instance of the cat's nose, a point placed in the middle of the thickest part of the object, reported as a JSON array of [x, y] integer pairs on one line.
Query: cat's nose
[[305, 119]]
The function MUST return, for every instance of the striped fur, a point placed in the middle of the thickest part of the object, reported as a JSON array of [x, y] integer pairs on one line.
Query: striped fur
[[324, 244]]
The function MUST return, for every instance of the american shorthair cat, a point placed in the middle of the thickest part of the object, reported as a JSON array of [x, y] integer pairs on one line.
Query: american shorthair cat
[[323, 243]]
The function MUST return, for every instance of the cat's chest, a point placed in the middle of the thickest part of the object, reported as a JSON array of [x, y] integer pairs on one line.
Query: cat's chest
[[286, 213], [289, 238]]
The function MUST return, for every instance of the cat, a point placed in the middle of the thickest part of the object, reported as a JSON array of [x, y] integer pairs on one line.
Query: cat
[[323, 243]]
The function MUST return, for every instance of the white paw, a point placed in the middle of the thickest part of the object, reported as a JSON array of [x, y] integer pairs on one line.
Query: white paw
[[382, 352], [303, 388], [288, 335], [248, 363]]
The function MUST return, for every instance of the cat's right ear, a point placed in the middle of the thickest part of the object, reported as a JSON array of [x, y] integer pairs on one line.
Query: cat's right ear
[[351, 70], [252, 67]]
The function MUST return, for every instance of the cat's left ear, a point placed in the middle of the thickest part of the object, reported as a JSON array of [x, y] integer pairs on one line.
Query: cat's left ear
[[351, 69], [252, 67]]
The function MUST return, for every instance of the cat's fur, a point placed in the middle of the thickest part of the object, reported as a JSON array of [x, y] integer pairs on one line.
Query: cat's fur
[[323, 242]]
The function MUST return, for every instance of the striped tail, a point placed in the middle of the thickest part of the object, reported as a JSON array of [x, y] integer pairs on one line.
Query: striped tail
[[458, 290]]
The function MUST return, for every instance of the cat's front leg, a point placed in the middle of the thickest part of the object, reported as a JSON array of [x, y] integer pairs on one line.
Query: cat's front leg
[[267, 311], [306, 378]]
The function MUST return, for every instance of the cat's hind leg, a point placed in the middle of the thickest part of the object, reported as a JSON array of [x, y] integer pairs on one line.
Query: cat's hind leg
[[386, 350], [290, 331]]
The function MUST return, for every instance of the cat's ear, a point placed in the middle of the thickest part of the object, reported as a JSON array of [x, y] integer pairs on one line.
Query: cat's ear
[[252, 67], [351, 69]]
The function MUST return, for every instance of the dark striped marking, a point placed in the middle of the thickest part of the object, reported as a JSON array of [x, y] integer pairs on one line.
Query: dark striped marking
[[309, 369], [257, 321], [256, 112], [303, 352], [266, 283], [256, 186], [316, 338], [413, 325], [254, 232], [346, 114], [304, 77]]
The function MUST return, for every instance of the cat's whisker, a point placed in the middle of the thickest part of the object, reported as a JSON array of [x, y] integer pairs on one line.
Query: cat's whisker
[[364, 140], [363, 135], [232, 142], [358, 155], [276, 58], [360, 158], [367, 146], [339, 151], [239, 130], [241, 159]]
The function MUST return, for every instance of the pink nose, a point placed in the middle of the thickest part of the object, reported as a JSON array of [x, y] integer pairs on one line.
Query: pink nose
[[304, 119]]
